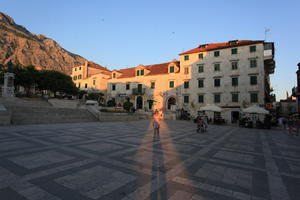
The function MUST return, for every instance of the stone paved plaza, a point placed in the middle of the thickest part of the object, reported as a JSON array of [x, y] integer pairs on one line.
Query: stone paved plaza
[[122, 160]]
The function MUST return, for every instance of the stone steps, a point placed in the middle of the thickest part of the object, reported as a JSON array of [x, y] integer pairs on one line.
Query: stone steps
[[24, 102], [48, 115]]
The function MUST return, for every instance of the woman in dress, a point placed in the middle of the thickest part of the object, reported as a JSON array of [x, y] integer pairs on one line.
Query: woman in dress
[[156, 121]]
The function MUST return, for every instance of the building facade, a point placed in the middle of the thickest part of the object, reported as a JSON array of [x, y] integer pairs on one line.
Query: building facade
[[232, 75], [147, 87], [91, 76]]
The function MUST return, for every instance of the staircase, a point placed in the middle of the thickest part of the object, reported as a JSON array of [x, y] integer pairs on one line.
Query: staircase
[[41, 112]]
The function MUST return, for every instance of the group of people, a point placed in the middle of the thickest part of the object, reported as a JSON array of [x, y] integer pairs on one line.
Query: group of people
[[290, 123], [201, 121]]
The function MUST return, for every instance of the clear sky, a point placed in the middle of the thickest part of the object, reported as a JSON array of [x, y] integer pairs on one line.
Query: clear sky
[[125, 33]]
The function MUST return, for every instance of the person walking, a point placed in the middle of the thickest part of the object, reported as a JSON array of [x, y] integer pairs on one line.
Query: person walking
[[205, 121], [156, 122], [200, 124], [284, 122], [297, 124], [290, 124]]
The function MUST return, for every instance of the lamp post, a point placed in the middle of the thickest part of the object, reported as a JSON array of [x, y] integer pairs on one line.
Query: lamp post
[[298, 89]]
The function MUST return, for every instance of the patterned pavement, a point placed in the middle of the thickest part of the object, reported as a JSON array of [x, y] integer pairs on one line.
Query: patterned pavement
[[122, 160]]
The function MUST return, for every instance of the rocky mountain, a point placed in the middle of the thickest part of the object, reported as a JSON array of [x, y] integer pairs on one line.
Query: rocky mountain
[[22, 47]]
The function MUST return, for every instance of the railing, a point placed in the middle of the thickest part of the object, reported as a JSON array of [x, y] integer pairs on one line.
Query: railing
[[137, 91]]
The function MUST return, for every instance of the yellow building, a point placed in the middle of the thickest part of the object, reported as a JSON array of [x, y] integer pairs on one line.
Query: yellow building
[[91, 76], [233, 75], [148, 87]]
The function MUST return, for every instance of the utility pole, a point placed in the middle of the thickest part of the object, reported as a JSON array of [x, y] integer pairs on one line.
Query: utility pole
[[298, 89], [266, 31]]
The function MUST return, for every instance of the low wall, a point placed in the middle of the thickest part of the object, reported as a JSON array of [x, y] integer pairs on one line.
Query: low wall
[[114, 116], [63, 103], [5, 116], [109, 116]]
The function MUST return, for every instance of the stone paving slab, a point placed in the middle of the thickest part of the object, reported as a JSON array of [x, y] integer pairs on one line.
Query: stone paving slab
[[123, 160]]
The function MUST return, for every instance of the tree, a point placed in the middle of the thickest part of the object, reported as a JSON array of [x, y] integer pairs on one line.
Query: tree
[[26, 77], [111, 103], [56, 82], [127, 105]]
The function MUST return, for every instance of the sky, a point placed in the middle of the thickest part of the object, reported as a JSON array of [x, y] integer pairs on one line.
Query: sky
[[125, 33]]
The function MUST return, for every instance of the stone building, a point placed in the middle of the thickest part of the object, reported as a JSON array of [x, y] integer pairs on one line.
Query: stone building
[[147, 86], [232, 75], [91, 76]]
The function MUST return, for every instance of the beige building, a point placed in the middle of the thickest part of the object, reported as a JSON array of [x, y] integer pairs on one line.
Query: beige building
[[147, 87], [232, 75], [91, 76]]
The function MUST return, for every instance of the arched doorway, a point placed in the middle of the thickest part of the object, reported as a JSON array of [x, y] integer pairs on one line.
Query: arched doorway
[[139, 102], [171, 101]]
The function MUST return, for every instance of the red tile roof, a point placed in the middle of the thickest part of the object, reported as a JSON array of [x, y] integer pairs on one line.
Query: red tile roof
[[93, 65], [96, 66], [155, 69], [216, 46]]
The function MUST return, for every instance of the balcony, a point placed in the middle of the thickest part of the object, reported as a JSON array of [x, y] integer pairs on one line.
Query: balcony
[[138, 91]]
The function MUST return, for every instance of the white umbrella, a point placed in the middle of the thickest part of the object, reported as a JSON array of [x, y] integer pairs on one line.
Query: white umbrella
[[255, 109], [213, 108]]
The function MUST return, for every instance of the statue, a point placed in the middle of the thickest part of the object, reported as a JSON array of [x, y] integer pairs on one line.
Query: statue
[[8, 87], [10, 67]]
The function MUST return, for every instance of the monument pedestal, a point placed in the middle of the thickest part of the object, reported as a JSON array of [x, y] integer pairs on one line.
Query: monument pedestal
[[8, 87]]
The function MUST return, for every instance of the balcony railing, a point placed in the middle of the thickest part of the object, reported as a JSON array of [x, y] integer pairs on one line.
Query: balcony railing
[[137, 91]]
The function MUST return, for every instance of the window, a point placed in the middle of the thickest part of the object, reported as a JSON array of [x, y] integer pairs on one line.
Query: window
[[234, 51], [217, 82], [217, 66], [234, 81], [201, 68], [78, 85], [253, 97], [253, 80], [200, 83], [114, 75], [253, 63], [79, 76], [186, 84], [172, 69], [252, 49], [142, 72], [94, 82], [171, 84], [202, 46], [138, 72], [234, 65], [75, 68], [186, 70], [79, 68], [186, 99], [201, 98], [85, 85], [75, 78], [113, 87], [200, 55], [233, 42], [186, 57], [217, 98], [217, 53], [127, 86], [152, 85], [235, 97]]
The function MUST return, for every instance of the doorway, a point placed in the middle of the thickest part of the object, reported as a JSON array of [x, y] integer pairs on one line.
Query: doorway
[[171, 101], [235, 115], [139, 102]]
